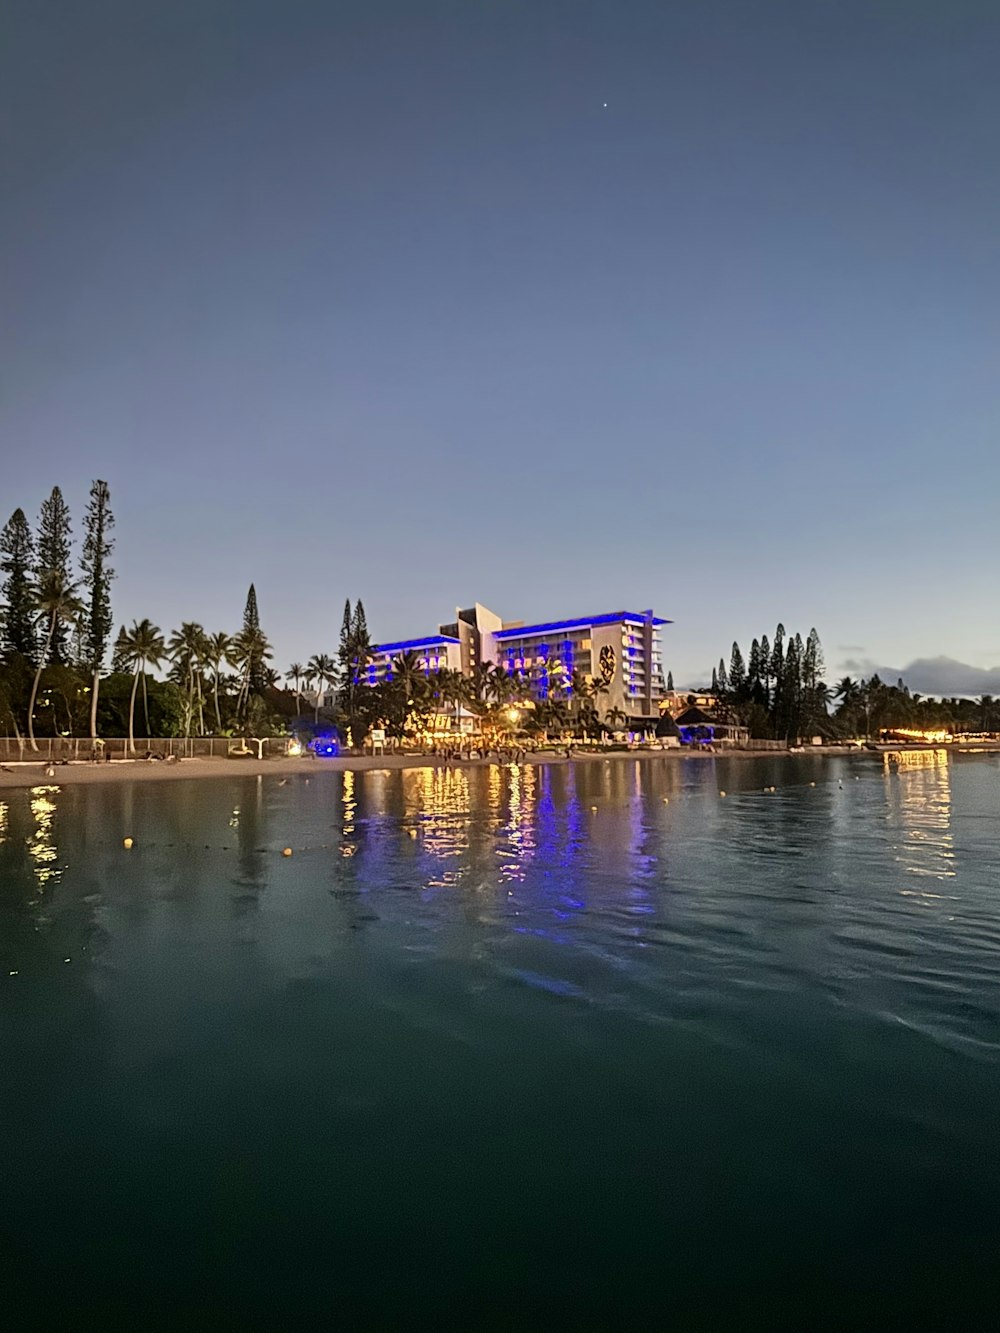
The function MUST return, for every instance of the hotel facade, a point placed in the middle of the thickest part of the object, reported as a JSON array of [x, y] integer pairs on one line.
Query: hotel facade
[[619, 648]]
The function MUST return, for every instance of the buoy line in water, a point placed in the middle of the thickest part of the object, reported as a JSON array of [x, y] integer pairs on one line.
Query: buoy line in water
[[411, 831]]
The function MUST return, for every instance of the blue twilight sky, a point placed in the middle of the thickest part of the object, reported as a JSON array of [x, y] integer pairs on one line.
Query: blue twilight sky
[[381, 299]]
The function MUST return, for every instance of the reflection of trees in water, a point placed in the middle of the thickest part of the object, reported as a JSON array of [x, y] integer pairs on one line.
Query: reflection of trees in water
[[349, 870], [248, 821]]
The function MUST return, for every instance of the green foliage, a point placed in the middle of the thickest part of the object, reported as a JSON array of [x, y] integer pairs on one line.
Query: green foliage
[[17, 557], [97, 575], [52, 557], [779, 693]]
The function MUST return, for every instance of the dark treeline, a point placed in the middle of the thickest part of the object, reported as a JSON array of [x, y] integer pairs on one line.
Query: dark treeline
[[56, 625], [778, 692], [55, 639]]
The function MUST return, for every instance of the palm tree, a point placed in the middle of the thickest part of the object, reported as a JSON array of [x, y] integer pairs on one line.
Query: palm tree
[[294, 674], [57, 604], [188, 648], [499, 685], [848, 691], [323, 669], [614, 716], [145, 648], [216, 650], [409, 674], [248, 651]]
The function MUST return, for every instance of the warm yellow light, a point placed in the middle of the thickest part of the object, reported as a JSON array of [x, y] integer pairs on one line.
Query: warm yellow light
[[294, 749], [934, 737], [513, 714]]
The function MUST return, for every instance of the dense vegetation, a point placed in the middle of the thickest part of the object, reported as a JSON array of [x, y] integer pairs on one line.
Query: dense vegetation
[[55, 638], [778, 692]]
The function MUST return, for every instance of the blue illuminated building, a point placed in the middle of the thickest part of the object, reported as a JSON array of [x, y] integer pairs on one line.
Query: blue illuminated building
[[619, 649]]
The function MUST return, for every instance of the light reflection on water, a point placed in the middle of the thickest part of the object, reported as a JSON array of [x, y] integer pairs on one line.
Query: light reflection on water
[[919, 809], [42, 844], [589, 1001]]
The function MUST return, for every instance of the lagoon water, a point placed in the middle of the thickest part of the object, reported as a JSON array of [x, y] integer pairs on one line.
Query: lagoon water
[[581, 1046]]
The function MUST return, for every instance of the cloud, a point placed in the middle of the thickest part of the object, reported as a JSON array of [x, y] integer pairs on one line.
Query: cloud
[[932, 675], [855, 649]]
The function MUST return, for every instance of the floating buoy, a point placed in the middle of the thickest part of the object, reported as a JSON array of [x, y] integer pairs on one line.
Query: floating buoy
[[66, 960], [286, 851], [127, 844]]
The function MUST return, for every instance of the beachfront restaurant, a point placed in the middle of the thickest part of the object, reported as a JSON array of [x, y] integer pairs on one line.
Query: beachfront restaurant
[[699, 730]]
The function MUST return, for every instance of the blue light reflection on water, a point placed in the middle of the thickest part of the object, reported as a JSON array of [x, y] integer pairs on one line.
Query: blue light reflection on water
[[533, 994]]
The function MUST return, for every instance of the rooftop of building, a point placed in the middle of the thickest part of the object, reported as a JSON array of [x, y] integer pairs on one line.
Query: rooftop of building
[[581, 622], [409, 645]]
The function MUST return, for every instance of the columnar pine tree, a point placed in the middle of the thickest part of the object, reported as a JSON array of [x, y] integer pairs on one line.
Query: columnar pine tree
[[359, 633], [777, 668], [251, 628], [344, 648], [17, 552], [737, 673], [753, 668], [670, 680], [765, 670], [780, 693], [253, 650], [52, 556], [97, 575]]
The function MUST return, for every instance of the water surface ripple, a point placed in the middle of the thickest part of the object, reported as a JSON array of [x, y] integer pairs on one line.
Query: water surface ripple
[[506, 1047]]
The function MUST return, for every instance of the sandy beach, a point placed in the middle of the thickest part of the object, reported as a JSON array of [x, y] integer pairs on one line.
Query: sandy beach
[[33, 773]]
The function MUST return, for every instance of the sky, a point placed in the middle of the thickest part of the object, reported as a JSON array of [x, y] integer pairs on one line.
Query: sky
[[562, 306]]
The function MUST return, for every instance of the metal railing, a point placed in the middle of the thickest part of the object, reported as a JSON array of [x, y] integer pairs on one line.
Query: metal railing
[[56, 749]]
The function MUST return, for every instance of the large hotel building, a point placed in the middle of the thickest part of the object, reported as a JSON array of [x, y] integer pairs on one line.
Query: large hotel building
[[622, 648]]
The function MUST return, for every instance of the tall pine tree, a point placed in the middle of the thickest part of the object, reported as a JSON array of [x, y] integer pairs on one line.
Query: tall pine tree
[[778, 671], [97, 575], [255, 644], [737, 674], [344, 658], [361, 645], [17, 554], [52, 557]]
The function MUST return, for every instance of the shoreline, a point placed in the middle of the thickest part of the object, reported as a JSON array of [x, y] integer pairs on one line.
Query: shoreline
[[33, 773]]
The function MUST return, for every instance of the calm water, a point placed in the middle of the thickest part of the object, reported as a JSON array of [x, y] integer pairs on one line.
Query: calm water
[[480, 1055]]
